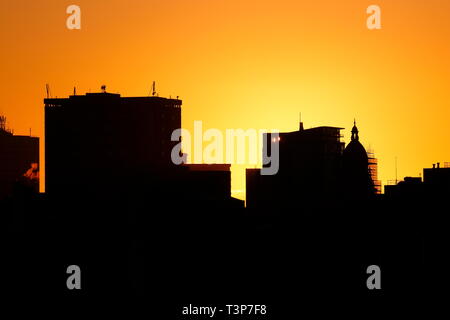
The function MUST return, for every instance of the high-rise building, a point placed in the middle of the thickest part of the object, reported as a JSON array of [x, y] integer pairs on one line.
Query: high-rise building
[[102, 144], [99, 141], [309, 169], [315, 170]]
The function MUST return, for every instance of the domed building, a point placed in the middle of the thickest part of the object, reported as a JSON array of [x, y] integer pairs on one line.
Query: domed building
[[356, 174]]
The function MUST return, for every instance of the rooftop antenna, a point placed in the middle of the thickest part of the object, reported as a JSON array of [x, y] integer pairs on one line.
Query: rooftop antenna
[[74, 91], [395, 170], [300, 121], [47, 88], [154, 88]]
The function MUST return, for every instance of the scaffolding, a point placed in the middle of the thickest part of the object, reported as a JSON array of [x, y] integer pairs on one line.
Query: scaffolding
[[2, 123], [373, 171]]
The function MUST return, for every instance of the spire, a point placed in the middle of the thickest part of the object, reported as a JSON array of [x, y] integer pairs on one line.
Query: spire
[[355, 131]]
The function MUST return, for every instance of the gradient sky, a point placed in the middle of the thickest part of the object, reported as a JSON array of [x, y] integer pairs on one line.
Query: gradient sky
[[245, 64]]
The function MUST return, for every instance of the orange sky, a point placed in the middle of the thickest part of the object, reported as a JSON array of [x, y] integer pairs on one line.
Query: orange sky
[[246, 64]]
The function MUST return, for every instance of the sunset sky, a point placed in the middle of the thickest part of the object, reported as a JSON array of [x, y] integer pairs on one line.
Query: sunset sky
[[245, 64]]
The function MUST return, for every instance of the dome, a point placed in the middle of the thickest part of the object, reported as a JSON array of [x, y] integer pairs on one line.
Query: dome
[[355, 153], [357, 179]]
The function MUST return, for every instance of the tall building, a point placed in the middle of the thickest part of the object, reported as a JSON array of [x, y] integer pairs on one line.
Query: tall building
[[315, 170], [309, 170], [99, 140], [19, 161], [102, 144]]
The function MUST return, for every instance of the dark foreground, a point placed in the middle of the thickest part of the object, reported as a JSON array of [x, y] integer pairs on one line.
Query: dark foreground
[[159, 260]]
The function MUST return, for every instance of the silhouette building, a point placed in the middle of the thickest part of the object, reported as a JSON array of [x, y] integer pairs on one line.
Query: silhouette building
[[212, 180], [309, 167], [315, 170], [411, 188], [97, 140], [437, 179], [208, 185], [358, 183], [19, 161], [434, 189], [105, 144]]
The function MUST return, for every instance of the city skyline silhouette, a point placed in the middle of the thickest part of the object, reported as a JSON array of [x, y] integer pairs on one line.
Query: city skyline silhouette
[[119, 184], [253, 65], [322, 203]]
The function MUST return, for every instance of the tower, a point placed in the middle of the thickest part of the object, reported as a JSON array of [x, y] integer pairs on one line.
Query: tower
[[356, 174], [355, 131]]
